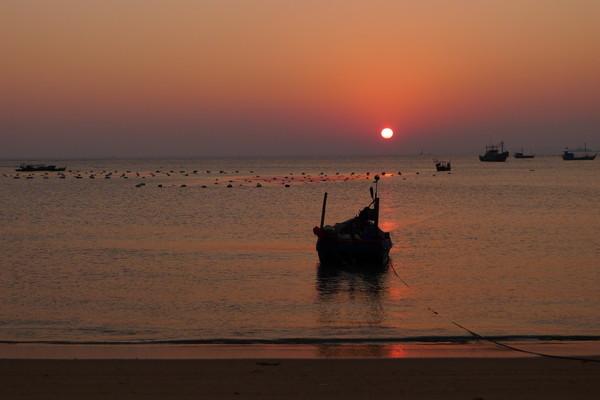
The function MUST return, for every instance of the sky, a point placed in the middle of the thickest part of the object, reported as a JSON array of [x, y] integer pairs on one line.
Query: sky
[[149, 78]]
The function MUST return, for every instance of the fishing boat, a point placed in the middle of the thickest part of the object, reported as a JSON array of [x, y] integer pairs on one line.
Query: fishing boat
[[493, 154], [356, 242], [39, 167], [578, 155], [442, 166], [522, 154]]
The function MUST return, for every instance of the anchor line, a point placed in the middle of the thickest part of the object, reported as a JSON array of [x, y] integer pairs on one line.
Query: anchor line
[[495, 342]]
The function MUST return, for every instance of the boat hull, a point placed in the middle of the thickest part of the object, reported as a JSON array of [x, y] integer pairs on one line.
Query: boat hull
[[499, 157], [521, 155], [578, 158], [334, 251], [45, 168]]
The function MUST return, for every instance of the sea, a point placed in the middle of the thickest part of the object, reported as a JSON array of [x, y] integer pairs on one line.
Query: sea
[[222, 251]]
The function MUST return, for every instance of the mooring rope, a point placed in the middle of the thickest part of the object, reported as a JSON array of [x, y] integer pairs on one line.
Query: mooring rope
[[495, 342]]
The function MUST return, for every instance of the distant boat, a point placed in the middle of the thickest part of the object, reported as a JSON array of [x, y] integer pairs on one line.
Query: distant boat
[[441, 166], [522, 154], [356, 242], [39, 167], [578, 155], [492, 154]]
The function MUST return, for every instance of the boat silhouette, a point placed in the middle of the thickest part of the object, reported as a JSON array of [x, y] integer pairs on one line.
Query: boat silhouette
[[522, 154], [574, 156], [39, 167], [493, 154], [358, 241], [441, 166]]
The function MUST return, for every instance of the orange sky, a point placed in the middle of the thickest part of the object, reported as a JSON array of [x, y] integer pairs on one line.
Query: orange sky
[[144, 77]]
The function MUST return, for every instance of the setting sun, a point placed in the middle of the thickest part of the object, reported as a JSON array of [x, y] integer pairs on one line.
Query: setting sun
[[387, 133]]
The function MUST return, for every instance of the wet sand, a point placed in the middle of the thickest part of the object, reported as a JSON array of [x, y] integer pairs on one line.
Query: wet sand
[[477, 370], [428, 378]]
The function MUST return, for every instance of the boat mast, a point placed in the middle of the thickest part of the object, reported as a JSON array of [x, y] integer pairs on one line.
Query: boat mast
[[376, 201], [323, 210]]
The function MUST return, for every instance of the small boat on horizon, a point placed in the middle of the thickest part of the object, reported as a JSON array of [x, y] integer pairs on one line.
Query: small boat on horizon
[[522, 154], [578, 155], [493, 154], [442, 166], [356, 242], [39, 167]]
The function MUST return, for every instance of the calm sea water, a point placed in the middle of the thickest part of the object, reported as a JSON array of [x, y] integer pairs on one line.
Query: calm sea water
[[503, 249]]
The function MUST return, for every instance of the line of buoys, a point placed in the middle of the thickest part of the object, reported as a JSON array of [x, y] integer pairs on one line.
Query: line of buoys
[[286, 180]]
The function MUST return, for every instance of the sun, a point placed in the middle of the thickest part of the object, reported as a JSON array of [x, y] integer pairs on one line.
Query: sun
[[387, 133]]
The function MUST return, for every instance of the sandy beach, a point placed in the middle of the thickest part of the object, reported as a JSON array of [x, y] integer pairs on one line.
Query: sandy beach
[[432, 378], [475, 370]]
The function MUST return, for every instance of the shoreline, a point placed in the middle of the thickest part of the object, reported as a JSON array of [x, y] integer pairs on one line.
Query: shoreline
[[411, 350]]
